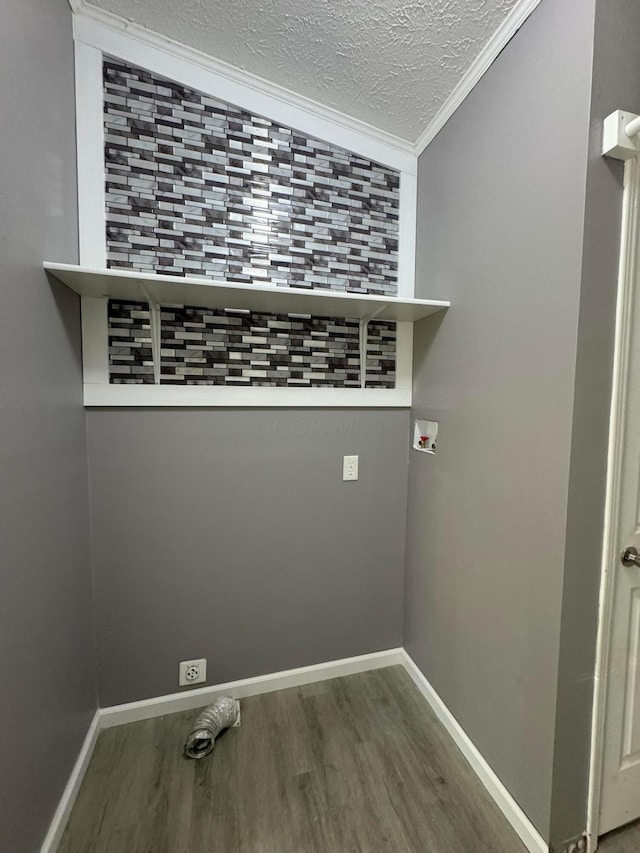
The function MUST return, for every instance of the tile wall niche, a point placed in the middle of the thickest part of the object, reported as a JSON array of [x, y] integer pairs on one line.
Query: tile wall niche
[[198, 187], [241, 348]]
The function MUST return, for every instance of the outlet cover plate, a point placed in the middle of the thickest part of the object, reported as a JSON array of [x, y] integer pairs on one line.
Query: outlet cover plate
[[192, 672], [350, 468]]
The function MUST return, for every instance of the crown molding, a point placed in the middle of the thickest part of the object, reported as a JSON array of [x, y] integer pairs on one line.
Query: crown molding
[[85, 12], [480, 65]]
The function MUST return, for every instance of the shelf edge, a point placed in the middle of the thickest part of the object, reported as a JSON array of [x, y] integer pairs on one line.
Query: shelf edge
[[216, 396]]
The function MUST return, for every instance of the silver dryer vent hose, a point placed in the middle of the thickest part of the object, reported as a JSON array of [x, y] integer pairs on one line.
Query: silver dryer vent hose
[[221, 714]]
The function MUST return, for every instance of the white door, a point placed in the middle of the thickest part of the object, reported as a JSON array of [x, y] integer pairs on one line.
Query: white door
[[620, 791]]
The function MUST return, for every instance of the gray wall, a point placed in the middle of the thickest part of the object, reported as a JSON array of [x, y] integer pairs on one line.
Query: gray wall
[[616, 84], [230, 535], [46, 643], [501, 215]]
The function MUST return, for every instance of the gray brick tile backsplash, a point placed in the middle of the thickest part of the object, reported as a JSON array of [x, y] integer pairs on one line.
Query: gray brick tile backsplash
[[198, 187], [130, 357], [214, 347], [209, 189], [201, 347]]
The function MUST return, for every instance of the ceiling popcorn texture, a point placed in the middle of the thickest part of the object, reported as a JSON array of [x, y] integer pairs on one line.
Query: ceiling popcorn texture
[[391, 64]]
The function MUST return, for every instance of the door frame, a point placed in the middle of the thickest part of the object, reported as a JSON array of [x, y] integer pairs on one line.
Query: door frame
[[628, 291]]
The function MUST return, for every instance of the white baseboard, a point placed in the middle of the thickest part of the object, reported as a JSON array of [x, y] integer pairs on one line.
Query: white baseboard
[[145, 709], [60, 818], [530, 836], [117, 715]]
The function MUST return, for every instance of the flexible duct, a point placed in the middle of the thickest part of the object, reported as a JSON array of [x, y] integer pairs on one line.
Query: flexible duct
[[220, 715]]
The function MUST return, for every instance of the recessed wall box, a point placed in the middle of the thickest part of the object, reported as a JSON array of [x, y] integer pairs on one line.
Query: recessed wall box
[[425, 436]]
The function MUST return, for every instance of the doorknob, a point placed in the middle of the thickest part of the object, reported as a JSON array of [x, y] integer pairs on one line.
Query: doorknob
[[630, 557]]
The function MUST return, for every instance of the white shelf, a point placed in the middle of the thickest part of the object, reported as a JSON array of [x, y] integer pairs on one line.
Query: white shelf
[[171, 290]]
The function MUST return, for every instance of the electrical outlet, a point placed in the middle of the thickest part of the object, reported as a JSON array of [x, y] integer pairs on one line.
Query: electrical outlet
[[350, 468], [192, 672]]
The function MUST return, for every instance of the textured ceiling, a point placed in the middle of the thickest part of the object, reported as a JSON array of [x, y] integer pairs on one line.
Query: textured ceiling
[[391, 63]]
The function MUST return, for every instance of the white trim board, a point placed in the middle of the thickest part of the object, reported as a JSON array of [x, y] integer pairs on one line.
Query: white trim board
[[478, 68], [527, 832], [92, 239], [99, 395], [118, 715], [61, 816]]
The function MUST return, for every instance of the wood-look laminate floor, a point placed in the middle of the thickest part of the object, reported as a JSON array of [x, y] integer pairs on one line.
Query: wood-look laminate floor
[[625, 840], [352, 765]]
